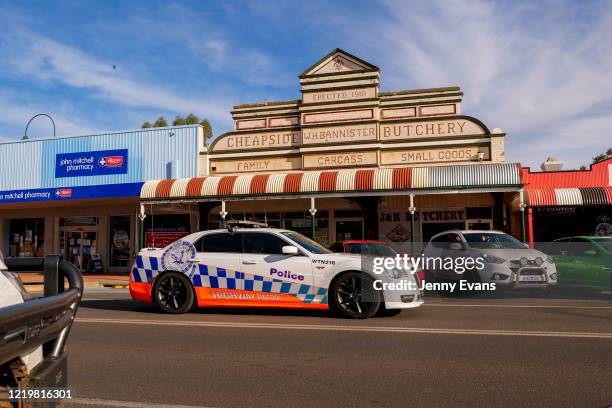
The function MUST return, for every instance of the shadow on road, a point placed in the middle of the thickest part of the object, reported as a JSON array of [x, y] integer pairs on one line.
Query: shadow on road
[[524, 294]]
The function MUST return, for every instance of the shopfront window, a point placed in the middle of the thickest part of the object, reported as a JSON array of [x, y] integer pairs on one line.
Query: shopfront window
[[301, 221], [120, 227], [26, 237], [162, 230]]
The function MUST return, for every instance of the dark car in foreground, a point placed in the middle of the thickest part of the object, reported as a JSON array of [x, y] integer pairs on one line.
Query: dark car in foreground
[[34, 331]]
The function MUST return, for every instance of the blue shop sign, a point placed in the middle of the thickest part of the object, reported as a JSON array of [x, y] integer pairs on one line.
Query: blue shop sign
[[96, 163], [71, 193]]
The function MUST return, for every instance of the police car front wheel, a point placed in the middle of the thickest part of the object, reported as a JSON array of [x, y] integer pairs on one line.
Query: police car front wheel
[[173, 293], [354, 296]]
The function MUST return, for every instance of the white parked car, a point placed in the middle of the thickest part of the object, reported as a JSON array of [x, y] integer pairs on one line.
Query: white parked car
[[505, 261], [12, 292], [263, 267]]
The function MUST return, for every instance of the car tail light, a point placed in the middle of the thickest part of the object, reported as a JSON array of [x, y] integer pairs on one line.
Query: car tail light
[[421, 276]]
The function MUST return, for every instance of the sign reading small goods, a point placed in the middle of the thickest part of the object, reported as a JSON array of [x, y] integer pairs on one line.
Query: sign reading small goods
[[94, 163], [455, 154]]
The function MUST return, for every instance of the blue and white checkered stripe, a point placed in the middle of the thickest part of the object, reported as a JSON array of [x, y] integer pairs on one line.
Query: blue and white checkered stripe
[[219, 278]]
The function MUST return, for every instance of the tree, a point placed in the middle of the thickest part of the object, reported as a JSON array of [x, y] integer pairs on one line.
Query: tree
[[160, 122], [207, 128], [191, 119], [146, 125], [178, 121], [603, 156]]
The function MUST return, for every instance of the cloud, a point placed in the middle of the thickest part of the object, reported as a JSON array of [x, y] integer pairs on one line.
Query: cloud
[[15, 115], [34, 57], [536, 70]]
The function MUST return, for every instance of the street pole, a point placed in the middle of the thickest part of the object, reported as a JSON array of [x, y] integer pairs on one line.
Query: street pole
[[141, 217], [412, 210], [25, 133], [312, 211], [522, 207]]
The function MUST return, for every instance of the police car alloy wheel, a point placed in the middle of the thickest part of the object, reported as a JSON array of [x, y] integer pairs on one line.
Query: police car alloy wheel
[[353, 296], [173, 293]]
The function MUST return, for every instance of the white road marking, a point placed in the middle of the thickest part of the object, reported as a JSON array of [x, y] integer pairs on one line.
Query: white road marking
[[371, 329], [515, 306], [97, 402]]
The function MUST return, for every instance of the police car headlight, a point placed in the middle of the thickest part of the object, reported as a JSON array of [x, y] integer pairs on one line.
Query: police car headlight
[[396, 273], [539, 261], [524, 261]]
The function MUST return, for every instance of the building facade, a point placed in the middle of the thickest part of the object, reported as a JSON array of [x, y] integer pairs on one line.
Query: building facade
[[346, 161], [568, 203], [79, 196]]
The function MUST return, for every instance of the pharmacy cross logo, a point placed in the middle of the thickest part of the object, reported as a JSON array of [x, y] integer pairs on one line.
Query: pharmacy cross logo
[[111, 161]]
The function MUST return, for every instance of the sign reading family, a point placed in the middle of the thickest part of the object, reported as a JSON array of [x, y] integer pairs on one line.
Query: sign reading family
[[94, 163]]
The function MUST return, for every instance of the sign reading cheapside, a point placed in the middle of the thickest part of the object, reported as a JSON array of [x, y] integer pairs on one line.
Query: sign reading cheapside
[[94, 163]]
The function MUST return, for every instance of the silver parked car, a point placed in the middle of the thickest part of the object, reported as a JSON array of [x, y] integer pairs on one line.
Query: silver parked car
[[500, 258]]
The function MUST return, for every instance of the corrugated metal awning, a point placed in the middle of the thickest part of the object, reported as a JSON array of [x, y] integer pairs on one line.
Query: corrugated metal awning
[[539, 197], [381, 180]]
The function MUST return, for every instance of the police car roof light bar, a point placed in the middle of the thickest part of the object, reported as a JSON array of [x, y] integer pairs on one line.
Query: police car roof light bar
[[233, 224]]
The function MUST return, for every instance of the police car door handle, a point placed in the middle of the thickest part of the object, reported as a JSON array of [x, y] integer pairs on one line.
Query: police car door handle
[[249, 262], [193, 260]]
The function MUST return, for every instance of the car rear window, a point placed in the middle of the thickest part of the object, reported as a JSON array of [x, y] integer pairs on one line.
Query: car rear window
[[217, 242]]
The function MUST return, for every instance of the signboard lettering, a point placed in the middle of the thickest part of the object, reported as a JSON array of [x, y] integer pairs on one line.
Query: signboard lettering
[[341, 159], [339, 134], [95, 163], [453, 154], [253, 165], [340, 95], [258, 140], [442, 128]]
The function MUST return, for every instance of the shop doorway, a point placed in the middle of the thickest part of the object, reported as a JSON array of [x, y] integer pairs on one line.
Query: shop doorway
[[78, 247], [79, 240], [349, 228], [479, 225]]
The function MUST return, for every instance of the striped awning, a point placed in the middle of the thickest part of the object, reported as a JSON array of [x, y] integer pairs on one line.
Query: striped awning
[[334, 181], [537, 197]]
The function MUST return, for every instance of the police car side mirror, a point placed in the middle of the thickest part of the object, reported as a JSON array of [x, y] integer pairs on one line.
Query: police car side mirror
[[289, 250]]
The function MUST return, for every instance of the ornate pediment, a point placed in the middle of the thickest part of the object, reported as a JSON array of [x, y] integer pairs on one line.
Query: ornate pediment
[[338, 62]]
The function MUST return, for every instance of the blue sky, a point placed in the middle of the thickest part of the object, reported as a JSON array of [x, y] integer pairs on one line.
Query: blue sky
[[542, 71]]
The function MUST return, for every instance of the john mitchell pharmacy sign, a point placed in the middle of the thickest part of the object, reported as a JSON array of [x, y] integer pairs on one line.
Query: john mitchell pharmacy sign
[[342, 120], [94, 163]]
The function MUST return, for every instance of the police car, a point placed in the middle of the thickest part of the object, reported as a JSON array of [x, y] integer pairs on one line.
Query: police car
[[249, 265]]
